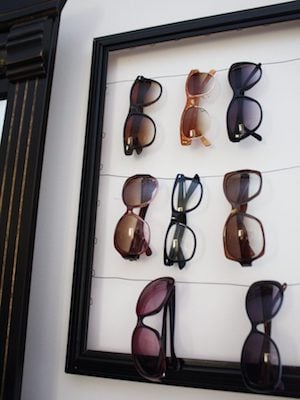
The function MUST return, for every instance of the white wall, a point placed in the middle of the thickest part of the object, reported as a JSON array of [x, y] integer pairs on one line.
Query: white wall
[[44, 377]]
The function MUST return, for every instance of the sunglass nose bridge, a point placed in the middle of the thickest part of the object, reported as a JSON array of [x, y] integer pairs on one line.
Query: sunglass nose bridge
[[136, 109]]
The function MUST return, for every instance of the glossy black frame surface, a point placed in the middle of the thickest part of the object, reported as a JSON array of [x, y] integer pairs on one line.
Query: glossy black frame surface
[[208, 374]]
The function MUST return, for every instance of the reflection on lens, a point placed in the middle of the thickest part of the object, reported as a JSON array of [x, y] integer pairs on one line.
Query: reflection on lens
[[139, 190], [152, 297], [242, 186], [244, 115], [243, 237], [263, 302], [260, 361], [132, 235], [244, 75], [200, 83], [180, 243], [146, 351], [145, 92], [196, 122]]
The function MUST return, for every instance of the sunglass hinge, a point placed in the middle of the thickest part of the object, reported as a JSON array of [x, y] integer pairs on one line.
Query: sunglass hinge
[[266, 358], [129, 143], [241, 130], [175, 244]]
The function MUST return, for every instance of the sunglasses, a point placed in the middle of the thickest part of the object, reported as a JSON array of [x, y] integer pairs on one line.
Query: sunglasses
[[132, 233], [244, 114], [180, 240], [260, 360], [148, 346], [195, 120], [243, 235], [139, 128]]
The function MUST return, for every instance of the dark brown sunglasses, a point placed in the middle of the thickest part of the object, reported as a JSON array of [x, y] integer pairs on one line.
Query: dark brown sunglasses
[[243, 235], [132, 233], [139, 128], [195, 120]]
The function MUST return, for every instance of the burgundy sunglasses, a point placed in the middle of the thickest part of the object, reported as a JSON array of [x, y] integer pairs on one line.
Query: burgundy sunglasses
[[148, 346]]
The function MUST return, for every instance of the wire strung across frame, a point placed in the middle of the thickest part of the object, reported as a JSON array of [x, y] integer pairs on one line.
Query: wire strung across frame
[[286, 61]]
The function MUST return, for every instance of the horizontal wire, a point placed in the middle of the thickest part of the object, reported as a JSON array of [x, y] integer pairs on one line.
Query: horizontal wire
[[269, 171], [183, 282], [290, 60]]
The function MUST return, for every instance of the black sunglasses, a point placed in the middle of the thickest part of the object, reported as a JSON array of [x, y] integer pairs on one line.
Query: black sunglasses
[[244, 114], [260, 360], [139, 128], [148, 346], [180, 240]]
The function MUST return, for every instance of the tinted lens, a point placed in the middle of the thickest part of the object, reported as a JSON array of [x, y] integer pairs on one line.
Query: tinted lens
[[187, 194], [261, 362], [180, 243], [139, 131], [147, 352], [243, 237], [244, 75], [200, 83], [243, 115], [144, 92], [263, 301], [132, 235], [242, 186], [154, 296], [139, 190], [196, 122]]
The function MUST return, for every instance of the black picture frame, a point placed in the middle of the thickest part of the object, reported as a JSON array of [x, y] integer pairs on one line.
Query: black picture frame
[[219, 375]]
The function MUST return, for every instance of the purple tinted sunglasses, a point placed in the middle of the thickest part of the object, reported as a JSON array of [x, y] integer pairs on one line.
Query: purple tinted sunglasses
[[244, 114], [148, 346]]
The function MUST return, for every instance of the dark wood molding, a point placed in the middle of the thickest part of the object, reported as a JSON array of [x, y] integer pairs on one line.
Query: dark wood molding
[[28, 37], [32, 38]]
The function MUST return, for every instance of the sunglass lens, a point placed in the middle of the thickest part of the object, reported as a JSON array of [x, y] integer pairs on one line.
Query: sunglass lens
[[243, 116], [260, 362], [244, 75], [145, 92], [263, 301], [139, 132], [180, 243], [132, 235], [153, 296], [196, 122], [139, 190], [241, 186], [244, 238], [200, 83], [146, 350]]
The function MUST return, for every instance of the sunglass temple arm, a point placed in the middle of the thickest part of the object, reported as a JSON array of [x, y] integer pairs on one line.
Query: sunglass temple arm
[[175, 362]]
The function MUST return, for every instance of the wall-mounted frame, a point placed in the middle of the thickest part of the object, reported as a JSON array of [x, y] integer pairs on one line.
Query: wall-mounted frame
[[28, 37], [210, 373]]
